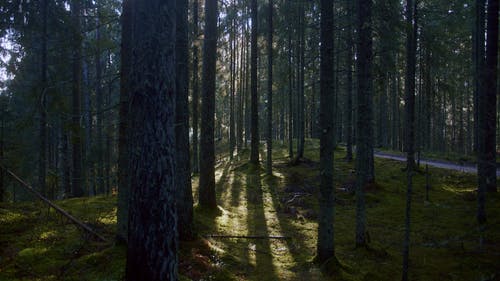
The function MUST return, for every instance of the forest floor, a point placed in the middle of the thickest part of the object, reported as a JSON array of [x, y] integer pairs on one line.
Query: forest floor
[[36, 244]]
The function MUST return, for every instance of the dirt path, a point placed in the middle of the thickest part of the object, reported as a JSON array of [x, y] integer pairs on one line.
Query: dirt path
[[466, 168]]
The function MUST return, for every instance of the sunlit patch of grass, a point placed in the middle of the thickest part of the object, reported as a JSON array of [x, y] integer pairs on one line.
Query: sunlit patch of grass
[[459, 190], [47, 235]]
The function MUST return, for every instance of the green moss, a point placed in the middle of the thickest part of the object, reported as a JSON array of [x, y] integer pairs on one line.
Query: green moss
[[37, 244]]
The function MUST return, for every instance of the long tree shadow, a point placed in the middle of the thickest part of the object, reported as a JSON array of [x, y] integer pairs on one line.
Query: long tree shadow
[[259, 249], [288, 223]]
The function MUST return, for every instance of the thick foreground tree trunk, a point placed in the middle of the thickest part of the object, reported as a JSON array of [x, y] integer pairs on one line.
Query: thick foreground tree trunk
[[183, 170], [207, 155], [364, 121], [325, 247], [152, 236]]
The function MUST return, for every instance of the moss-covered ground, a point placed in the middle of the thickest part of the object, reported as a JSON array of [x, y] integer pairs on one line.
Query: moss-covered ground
[[37, 244]]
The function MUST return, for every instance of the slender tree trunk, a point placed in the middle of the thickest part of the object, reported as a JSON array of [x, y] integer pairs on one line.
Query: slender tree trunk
[[241, 95], [99, 115], [110, 135], [42, 161], [395, 105], [2, 183], [300, 77], [232, 44], [410, 83], [326, 246], [365, 117], [349, 63], [247, 86], [269, 163], [478, 59], [196, 90], [290, 94], [152, 240], [76, 135], [87, 162], [254, 150], [123, 129], [490, 96], [410, 122], [207, 156], [183, 169]]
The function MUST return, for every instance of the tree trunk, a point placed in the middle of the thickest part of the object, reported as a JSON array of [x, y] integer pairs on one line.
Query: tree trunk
[[411, 28], [123, 129], [42, 171], [2, 172], [76, 133], [87, 161], [196, 90], [241, 95], [254, 149], [365, 117], [207, 156], [269, 160], [300, 80], [490, 97], [410, 84], [152, 240], [99, 115], [290, 94], [183, 169], [349, 63], [325, 247], [487, 106]]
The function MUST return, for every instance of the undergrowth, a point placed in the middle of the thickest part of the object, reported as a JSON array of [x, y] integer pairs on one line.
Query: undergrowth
[[37, 244]]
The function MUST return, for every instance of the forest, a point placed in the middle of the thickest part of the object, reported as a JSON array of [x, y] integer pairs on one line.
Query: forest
[[249, 140]]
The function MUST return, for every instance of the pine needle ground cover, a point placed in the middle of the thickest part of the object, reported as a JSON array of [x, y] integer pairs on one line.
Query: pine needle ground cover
[[37, 244]]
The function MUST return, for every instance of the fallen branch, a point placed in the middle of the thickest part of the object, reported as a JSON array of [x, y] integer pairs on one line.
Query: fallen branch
[[248, 236], [54, 206]]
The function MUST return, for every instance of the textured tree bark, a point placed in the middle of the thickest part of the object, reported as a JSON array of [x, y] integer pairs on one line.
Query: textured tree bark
[[290, 94], [76, 134], [411, 33], [183, 169], [123, 126], [300, 76], [88, 175], [269, 145], [325, 246], [254, 144], [152, 235], [487, 86], [42, 160], [99, 115], [410, 84], [207, 156], [232, 75], [241, 95], [196, 89], [2, 172], [365, 116], [478, 60], [349, 63], [490, 97]]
